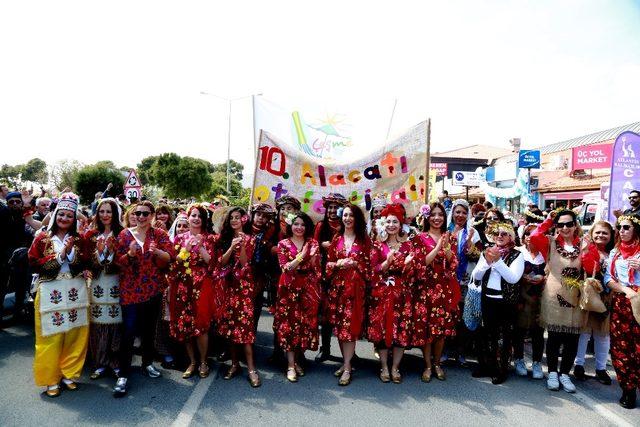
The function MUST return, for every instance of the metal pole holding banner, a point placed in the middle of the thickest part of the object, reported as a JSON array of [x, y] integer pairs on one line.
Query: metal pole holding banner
[[427, 163], [395, 102], [466, 187]]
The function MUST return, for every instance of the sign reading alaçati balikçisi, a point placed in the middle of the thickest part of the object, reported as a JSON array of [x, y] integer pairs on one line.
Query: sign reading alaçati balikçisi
[[591, 157], [470, 179], [529, 159], [395, 170], [625, 171]]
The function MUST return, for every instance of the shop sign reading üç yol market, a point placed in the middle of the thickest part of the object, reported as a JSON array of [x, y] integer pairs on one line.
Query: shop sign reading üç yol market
[[592, 157]]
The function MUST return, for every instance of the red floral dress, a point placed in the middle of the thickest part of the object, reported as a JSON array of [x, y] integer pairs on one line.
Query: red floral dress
[[390, 305], [235, 294], [436, 293], [298, 301], [191, 301], [346, 293], [143, 276]]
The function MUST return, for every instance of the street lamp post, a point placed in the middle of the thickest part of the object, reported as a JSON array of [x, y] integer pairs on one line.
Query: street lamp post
[[229, 101]]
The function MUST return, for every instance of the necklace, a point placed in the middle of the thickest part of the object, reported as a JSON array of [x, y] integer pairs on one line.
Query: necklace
[[565, 253]]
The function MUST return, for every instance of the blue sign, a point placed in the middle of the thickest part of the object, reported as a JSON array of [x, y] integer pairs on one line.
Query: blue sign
[[529, 159]]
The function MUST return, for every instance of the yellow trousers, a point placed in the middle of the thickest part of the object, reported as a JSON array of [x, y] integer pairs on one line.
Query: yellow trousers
[[58, 356]]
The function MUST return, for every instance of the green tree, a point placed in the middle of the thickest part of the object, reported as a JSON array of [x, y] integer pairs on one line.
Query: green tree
[[242, 199], [35, 170], [182, 176], [91, 179], [145, 170], [235, 169], [10, 175], [63, 174], [219, 185]]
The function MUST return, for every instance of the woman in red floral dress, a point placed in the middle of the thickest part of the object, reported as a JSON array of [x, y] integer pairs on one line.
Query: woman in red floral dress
[[437, 292], [235, 291], [622, 278], [296, 312], [390, 308], [348, 266], [191, 289]]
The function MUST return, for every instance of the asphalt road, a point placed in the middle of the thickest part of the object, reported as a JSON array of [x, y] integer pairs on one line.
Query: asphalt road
[[315, 400]]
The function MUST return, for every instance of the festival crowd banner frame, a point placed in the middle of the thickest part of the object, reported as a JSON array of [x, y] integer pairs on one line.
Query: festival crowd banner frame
[[625, 172], [396, 170]]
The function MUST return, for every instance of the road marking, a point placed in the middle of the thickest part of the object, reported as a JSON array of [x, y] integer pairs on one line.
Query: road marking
[[192, 404], [603, 411]]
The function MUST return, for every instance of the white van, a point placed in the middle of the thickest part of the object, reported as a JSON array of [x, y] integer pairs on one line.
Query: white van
[[593, 210]]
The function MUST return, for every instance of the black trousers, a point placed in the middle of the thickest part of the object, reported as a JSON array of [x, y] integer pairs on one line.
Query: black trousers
[[569, 344], [537, 343], [138, 320], [498, 323]]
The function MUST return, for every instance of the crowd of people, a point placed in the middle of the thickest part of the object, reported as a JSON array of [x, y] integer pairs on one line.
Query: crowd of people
[[457, 280]]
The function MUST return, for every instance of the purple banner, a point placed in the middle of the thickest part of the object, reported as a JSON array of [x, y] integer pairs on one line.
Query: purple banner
[[625, 172]]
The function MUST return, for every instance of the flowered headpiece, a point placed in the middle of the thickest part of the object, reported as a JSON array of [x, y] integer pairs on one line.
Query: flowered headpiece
[[496, 227], [630, 218], [378, 202], [288, 200], [530, 214], [336, 198], [69, 202], [264, 208]]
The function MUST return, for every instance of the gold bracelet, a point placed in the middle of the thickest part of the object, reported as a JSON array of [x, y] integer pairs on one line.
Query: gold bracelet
[[299, 257]]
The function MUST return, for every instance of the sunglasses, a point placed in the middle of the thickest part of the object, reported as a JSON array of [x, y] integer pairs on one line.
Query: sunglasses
[[527, 234], [142, 213], [14, 202], [633, 197], [625, 227], [566, 224], [501, 234], [492, 218]]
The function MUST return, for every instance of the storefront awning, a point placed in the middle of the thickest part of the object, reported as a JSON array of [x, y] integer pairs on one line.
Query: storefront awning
[[568, 195]]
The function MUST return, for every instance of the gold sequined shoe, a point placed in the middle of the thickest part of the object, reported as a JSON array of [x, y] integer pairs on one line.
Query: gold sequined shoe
[[53, 390], [384, 376], [426, 376], [345, 379], [396, 377], [189, 372], [70, 385], [233, 371], [292, 376], [440, 373], [254, 379], [339, 372], [203, 371], [299, 370]]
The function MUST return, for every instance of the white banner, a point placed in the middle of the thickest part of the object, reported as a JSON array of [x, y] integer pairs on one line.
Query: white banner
[[395, 170], [323, 135]]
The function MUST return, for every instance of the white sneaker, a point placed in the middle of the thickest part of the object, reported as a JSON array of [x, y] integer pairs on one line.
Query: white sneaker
[[552, 381], [521, 368], [121, 387], [537, 371], [567, 385], [151, 371]]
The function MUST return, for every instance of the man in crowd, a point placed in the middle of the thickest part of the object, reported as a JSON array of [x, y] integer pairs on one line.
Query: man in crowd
[[15, 234], [42, 208], [634, 201]]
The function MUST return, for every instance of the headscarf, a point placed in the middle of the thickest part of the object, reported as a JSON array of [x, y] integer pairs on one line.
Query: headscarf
[[172, 231], [463, 262], [67, 202]]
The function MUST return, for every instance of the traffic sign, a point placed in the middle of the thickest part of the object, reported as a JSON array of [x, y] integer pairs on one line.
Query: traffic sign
[[133, 192], [132, 179], [469, 179], [132, 186]]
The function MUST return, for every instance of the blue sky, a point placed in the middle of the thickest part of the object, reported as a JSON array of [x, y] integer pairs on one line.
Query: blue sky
[[122, 80]]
